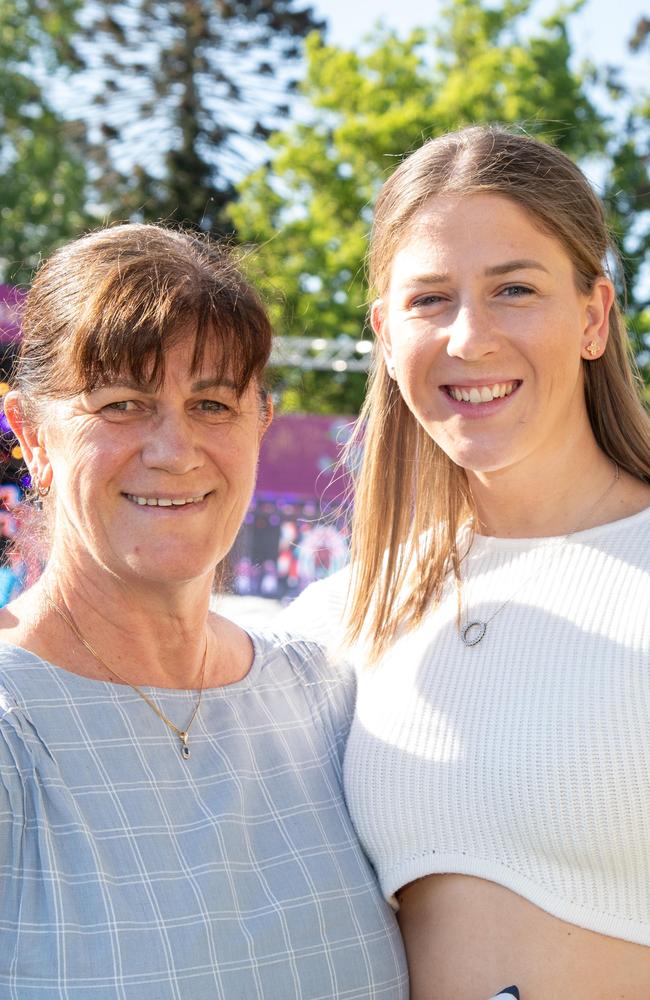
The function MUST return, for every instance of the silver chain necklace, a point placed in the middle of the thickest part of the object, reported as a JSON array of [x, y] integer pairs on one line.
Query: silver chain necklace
[[474, 630]]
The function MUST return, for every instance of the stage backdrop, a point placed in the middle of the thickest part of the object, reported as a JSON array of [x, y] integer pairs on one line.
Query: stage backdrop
[[11, 301], [296, 528]]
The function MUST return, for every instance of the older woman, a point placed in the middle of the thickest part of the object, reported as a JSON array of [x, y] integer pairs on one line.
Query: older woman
[[171, 817], [498, 766]]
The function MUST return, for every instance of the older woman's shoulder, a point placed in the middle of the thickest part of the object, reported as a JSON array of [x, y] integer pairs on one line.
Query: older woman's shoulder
[[278, 649], [284, 661]]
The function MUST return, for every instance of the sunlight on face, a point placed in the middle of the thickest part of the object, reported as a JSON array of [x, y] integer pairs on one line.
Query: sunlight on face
[[485, 327]]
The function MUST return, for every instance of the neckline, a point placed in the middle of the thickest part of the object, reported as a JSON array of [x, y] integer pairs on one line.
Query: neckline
[[260, 644], [541, 541]]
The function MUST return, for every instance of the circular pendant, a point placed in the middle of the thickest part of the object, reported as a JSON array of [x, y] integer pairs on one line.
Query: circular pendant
[[473, 632]]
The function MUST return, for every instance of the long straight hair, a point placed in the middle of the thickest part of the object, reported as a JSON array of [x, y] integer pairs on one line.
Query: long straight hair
[[410, 499]]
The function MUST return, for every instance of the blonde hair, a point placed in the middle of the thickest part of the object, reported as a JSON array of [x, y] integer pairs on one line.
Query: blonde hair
[[410, 498]]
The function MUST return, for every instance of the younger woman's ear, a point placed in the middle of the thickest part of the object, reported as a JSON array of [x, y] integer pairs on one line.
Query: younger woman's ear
[[596, 330], [381, 332], [30, 437]]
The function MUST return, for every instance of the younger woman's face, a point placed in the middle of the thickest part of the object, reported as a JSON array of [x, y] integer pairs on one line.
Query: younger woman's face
[[485, 328]]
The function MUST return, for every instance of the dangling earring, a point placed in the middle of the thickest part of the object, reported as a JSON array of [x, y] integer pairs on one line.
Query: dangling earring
[[41, 491], [593, 348]]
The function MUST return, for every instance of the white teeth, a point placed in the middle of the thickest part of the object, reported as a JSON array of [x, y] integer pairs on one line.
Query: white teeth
[[482, 393], [163, 501]]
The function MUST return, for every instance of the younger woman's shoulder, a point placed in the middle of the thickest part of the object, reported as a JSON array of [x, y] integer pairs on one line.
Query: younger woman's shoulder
[[318, 612]]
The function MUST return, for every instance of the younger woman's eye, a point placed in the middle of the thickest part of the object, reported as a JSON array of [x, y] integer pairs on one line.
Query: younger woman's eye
[[516, 291], [427, 300]]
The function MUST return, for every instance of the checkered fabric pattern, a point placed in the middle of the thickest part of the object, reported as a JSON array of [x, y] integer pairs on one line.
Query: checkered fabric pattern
[[130, 873]]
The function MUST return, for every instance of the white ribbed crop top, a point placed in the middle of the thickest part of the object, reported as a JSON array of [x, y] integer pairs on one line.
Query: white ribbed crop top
[[525, 759]]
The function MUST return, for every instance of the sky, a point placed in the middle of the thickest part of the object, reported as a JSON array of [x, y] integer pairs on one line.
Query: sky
[[600, 31]]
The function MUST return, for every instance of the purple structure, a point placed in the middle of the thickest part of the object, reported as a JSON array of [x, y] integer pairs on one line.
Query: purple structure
[[11, 303], [295, 530]]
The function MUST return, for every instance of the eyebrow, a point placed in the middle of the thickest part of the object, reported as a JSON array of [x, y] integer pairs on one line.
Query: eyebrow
[[200, 386], [522, 264]]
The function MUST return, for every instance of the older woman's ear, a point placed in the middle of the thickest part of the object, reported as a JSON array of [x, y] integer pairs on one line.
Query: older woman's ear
[[31, 438], [267, 412]]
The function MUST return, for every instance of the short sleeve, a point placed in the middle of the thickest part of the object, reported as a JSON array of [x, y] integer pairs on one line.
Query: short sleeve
[[330, 685]]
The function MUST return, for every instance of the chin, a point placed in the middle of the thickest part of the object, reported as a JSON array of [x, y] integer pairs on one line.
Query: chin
[[184, 568]]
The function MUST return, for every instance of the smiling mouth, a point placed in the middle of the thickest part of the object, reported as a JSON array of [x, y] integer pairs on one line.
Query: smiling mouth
[[482, 393], [164, 501]]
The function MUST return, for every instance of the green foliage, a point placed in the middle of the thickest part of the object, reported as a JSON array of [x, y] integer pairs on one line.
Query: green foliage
[[43, 190], [627, 197], [308, 210]]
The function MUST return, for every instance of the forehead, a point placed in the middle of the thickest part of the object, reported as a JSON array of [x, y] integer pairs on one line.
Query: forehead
[[466, 231], [181, 357]]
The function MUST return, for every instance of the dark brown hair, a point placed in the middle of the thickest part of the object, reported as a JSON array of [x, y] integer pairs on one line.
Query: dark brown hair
[[111, 303]]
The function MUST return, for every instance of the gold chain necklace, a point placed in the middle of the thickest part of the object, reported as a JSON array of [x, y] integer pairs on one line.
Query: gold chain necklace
[[183, 734], [473, 630]]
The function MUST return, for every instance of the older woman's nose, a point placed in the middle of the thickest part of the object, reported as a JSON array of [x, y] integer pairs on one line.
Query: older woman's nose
[[471, 334], [172, 446]]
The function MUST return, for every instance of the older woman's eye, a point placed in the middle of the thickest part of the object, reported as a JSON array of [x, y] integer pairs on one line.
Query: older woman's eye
[[213, 406], [516, 291], [120, 406]]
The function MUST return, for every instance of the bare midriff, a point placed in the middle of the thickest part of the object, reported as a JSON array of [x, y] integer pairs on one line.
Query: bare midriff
[[467, 938]]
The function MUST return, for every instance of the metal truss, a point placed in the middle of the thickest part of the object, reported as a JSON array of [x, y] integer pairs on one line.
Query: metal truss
[[337, 354]]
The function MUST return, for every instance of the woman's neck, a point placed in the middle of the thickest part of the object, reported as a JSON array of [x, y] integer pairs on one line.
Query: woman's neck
[[558, 497], [153, 636]]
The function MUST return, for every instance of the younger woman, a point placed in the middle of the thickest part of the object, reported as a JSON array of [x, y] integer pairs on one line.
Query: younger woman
[[498, 769]]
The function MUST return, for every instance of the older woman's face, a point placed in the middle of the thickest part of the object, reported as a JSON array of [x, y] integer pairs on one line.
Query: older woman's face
[[153, 483]]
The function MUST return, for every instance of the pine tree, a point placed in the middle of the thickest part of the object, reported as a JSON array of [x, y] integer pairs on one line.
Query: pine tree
[[188, 90], [44, 182]]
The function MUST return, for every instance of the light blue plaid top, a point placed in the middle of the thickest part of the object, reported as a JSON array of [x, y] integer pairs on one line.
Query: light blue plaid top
[[127, 872]]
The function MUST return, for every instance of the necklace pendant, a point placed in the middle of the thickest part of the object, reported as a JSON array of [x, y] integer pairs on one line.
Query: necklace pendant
[[473, 632], [185, 750]]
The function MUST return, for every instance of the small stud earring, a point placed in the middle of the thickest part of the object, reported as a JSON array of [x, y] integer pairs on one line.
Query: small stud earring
[[390, 368], [593, 348]]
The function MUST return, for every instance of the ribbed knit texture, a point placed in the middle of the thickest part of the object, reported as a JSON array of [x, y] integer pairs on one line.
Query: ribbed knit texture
[[524, 760]]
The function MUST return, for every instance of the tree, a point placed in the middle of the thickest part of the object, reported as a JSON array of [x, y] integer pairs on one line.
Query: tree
[[308, 210], [627, 196], [43, 190], [188, 89]]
